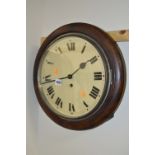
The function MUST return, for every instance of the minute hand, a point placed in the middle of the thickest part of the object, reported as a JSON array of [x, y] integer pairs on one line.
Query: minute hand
[[70, 76], [92, 60], [81, 66]]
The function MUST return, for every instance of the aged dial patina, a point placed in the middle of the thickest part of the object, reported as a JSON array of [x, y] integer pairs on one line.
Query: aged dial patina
[[79, 76], [72, 76]]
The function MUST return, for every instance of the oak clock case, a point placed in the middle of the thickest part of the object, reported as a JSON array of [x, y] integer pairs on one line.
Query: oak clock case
[[79, 76]]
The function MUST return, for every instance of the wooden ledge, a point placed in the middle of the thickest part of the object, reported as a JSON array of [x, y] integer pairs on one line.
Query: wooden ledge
[[118, 35]]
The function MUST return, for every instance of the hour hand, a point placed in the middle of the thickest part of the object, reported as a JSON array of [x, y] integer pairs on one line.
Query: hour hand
[[61, 78], [47, 81]]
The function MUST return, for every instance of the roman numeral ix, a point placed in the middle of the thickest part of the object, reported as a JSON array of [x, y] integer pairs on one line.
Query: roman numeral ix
[[94, 92]]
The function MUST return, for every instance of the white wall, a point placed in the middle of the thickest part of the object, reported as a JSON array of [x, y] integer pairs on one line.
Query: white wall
[[44, 137]]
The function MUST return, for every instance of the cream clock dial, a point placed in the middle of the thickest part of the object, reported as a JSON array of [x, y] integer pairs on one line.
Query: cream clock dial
[[72, 76]]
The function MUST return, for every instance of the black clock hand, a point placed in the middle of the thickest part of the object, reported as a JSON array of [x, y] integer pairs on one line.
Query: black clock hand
[[49, 81], [70, 76], [75, 71], [81, 66]]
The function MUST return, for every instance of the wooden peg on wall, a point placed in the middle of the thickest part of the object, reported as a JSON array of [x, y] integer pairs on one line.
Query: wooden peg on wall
[[118, 35]]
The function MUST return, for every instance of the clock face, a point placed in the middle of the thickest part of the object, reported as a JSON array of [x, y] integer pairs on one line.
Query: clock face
[[73, 76], [79, 76]]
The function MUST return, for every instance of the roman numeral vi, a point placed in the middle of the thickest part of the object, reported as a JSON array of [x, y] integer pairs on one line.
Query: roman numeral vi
[[71, 107]]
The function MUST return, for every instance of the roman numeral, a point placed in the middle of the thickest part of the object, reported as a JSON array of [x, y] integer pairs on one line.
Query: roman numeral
[[49, 62], [59, 102], [71, 46], [94, 92], [71, 107], [83, 49], [47, 78], [94, 59], [50, 91], [85, 104], [97, 75], [60, 50]]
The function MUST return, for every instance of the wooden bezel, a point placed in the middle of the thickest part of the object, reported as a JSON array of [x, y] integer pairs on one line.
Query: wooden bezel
[[116, 67]]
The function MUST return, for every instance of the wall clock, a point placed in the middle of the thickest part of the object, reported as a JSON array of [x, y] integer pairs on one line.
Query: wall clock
[[79, 76]]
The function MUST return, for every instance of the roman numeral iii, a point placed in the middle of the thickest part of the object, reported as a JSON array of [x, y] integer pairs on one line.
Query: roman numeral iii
[[94, 92], [71, 46], [97, 75]]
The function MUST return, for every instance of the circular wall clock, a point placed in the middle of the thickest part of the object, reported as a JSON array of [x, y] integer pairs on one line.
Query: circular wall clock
[[79, 76]]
